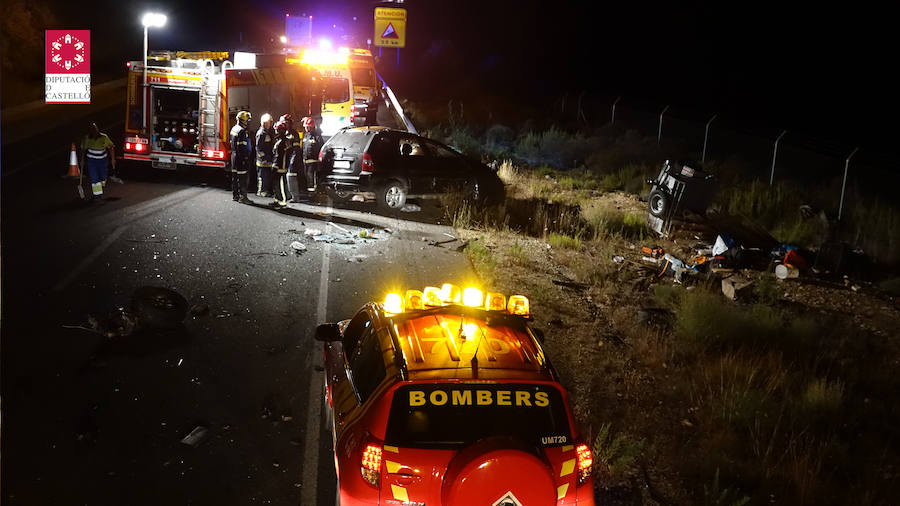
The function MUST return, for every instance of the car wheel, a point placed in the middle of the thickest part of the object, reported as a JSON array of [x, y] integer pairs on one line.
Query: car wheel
[[659, 202], [159, 307], [392, 195]]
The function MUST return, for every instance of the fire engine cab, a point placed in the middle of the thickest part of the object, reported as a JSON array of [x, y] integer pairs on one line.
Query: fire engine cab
[[445, 397], [184, 114]]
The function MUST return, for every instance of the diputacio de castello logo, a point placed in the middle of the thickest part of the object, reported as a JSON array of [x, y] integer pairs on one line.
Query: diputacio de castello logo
[[67, 67]]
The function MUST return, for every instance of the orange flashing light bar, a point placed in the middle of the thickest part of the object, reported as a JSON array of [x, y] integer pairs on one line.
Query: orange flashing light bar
[[450, 294]]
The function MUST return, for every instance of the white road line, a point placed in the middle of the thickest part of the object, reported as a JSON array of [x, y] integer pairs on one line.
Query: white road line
[[88, 260], [139, 211], [310, 459]]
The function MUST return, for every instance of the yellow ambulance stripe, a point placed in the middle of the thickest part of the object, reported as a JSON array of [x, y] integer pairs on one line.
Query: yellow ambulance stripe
[[392, 467], [567, 468], [400, 493], [568, 448], [561, 491], [392, 449]]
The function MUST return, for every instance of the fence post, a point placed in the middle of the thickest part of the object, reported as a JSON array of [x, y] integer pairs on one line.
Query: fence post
[[581, 110], [774, 154], [706, 137], [613, 120], [659, 133], [844, 184]]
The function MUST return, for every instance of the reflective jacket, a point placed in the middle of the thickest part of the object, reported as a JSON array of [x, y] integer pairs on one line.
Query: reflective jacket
[[241, 148], [265, 147], [292, 140]]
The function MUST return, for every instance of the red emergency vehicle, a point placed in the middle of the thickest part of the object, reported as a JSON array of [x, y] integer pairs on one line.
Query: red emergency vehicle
[[191, 100], [445, 397]]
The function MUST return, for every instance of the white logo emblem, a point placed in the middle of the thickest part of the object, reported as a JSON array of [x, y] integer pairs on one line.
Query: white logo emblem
[[509, 499], [67, 52]]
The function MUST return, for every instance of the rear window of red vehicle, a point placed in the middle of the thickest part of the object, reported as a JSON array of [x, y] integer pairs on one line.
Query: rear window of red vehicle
[[453, 415]]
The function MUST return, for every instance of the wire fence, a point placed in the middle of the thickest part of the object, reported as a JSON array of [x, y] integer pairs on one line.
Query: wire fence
[[843, 176]]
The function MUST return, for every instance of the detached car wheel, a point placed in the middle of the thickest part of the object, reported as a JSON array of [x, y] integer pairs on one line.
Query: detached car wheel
[[659, 202], [159, 307], [392, 195]]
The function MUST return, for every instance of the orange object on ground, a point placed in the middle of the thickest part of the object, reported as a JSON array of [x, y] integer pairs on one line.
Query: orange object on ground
[[793, 259], [73, 163]]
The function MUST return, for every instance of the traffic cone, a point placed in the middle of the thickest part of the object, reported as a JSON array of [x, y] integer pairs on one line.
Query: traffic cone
[[73, 163]]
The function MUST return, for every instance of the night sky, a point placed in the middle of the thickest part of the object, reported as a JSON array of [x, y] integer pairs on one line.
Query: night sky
[[817, 68]]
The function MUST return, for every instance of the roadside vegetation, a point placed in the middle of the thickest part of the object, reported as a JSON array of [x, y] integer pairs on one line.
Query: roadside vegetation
[[787, 396]]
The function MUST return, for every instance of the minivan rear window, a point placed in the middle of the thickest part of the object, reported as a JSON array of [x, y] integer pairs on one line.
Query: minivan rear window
[[454, 415], [351, 141]]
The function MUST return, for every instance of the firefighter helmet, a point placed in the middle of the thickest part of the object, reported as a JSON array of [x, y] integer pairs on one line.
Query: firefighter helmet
[[309, 123], [265, 117], [280, 127], [243, 116], [287, 119]]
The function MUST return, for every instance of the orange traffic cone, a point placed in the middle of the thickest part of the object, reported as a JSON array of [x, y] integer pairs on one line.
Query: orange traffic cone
[[73, 163]]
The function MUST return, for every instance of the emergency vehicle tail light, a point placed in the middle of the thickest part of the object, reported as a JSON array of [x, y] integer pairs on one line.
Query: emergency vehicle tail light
[[518, 305], [139, 146], [450, 294], [495, 302], [368, 165], [413, 299], [127, 146], [585, 462], [431, 297], [472, 297], [214, 154], [393, 303], [370, 467]]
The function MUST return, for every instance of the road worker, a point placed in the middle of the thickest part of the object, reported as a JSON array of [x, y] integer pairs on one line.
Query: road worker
[[265, 156], [99, 152], [241, 156], [312, 143]]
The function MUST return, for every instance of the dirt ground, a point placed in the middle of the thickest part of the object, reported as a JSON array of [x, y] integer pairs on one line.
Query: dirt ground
[[613, 344]]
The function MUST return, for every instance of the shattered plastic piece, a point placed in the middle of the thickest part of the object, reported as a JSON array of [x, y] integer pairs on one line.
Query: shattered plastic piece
[[357, 198], [322, 237], [313, 232], [410, 208], [723, 244], [196, 436], [298, 247], [783, 271], [342, 229], [365, 233], [618, 259]]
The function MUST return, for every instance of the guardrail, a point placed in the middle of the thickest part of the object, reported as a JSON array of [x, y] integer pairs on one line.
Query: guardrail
[[396, 105]]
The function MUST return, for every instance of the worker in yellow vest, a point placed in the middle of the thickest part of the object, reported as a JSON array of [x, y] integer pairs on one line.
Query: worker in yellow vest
[[97, 153]]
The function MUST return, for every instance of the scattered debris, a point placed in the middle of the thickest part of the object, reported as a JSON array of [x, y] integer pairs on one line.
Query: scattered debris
[[199, 309], [462, 246], [410, 208], [736, 288], [314, 232], [654, 252], [357, 258], [357, 198], [196, 436], [784, 271], [618, 259], [320, 237], [342, 229], [298, 247]]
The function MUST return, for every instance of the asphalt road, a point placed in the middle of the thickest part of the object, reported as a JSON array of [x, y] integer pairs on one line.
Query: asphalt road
[[93, 420]]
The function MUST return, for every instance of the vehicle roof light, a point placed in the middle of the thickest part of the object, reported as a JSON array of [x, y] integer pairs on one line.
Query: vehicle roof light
[[393, 303], [472, 297], [450, 294], [518, 305], [495, 302], [413, 300], [431, 297]]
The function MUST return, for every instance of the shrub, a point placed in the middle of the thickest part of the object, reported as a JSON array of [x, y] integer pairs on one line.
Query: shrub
[[617, 453], [564, 241]]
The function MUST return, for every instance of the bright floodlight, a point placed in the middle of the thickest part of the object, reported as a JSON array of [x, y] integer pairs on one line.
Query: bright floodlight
[[324, 44], [154, 20], [283, 39]]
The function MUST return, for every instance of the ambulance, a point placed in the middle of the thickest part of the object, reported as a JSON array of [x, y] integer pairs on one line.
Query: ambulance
[[184, 114], [336, 85], [365, 87]]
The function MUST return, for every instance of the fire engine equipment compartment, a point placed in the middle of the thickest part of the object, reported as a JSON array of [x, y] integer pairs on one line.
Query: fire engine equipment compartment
[[175, 120]]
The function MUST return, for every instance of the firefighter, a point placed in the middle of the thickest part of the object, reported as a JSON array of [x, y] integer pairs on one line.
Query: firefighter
[[292, 160], [280, 164], [241, 156], [312, 143], [99, 152], [265, 156]]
